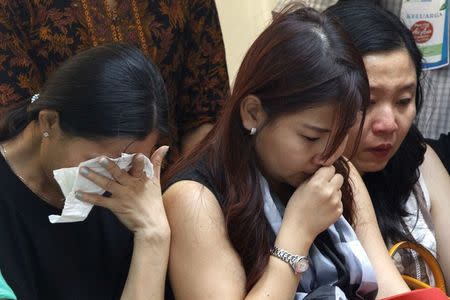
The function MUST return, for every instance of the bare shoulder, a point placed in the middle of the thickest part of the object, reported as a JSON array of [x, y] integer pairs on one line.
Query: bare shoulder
[[200, 250], [191, 201], [188, 191], [433, 171], [431, 163], [435, 176]]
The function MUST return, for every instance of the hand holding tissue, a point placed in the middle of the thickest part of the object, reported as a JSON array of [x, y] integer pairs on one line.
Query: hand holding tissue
[[70, 180]]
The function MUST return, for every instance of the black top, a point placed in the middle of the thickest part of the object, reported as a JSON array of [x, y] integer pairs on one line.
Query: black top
[[40, 260], [200, 173]]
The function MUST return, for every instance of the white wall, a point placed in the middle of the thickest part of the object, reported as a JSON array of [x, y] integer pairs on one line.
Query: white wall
[[242, 21]]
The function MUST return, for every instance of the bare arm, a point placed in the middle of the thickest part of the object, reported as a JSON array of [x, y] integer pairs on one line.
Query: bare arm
[[136, 201], [200, 241], [146, 276], [437, 180], [366, 227]]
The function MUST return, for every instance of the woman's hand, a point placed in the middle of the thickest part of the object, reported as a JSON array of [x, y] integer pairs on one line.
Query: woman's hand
[[314, 206], [135, 199]]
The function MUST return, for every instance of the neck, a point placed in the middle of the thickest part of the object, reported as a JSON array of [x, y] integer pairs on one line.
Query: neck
[[23, 155], [282, 190]]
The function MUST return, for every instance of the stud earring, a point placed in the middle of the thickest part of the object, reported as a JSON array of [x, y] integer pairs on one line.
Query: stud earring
[[252, 131], [45, 134]]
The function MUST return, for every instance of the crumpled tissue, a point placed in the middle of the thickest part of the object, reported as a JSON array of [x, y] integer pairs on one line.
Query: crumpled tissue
[[70, 180]]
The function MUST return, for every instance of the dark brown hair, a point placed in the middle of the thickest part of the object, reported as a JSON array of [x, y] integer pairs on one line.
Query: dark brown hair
[[302, 60]]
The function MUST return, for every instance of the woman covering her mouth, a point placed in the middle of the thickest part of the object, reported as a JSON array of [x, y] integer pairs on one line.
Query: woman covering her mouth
[[264, 194]]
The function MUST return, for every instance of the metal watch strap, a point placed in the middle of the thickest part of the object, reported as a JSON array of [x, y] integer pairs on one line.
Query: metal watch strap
[[287, 257]]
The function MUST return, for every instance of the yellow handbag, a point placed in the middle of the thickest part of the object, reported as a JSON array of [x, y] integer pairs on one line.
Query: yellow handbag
[[429, 259]]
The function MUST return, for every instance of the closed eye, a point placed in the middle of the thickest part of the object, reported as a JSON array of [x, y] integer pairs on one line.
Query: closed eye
[[404, 102], [310, 139]]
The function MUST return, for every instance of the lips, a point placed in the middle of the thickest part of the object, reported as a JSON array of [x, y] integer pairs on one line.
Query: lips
[[381, 150]]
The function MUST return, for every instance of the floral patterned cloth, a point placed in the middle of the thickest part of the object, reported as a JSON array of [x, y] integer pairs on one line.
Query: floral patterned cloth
[[183, 37]]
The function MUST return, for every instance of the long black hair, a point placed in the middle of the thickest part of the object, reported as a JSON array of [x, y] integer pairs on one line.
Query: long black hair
[[107, 91], [374, 29]]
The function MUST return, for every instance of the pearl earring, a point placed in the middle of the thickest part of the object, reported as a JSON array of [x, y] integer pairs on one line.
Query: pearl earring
[[45, 134], [252, 131]]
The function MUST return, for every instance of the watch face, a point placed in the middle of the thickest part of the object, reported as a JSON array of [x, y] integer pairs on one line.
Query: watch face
[[301, 265]]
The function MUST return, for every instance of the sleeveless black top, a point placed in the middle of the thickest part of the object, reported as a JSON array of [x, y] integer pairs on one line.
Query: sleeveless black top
[[199, 172], [39, 260]]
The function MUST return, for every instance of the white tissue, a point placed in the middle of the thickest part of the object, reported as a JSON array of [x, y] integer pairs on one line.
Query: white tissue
[[70, 180]]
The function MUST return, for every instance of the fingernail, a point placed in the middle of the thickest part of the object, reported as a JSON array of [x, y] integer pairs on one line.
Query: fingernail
[[78, 195], [104, 161], [84, 171], [140, 156], [166, 149]]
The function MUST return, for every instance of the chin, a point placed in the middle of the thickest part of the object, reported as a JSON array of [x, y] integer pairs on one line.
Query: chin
[[370, 167], [295, 182]]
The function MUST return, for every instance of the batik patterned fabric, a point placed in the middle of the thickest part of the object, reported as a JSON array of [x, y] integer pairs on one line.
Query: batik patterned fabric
[[183, 37]]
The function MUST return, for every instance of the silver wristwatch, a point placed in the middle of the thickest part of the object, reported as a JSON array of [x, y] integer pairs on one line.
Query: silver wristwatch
[[298, 263]]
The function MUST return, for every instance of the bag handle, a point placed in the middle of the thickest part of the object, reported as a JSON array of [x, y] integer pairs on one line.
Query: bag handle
[[429, 259]]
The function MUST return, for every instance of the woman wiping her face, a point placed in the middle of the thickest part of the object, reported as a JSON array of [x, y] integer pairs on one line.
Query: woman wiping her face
[[103, 102]]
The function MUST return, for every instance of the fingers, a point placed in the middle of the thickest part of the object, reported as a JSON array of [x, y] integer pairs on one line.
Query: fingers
[[337, 181], [93, 199], [137, 168], [325, 173], [337, 201], [118, 174], [104, 182], [157, 159], [338, 153]]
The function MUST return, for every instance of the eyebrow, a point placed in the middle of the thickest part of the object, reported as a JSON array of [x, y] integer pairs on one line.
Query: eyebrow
[[128, 146], [316, 128], [407, 86], [95, 155]]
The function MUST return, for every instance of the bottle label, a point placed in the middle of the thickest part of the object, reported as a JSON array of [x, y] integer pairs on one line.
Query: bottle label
[[428, 22]]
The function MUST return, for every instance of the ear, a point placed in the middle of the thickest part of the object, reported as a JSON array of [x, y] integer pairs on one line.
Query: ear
[[252, 112], [49, 122]]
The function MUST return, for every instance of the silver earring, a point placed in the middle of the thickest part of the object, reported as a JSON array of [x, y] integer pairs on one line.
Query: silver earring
[[45, 134], [252, 131], [34, 98]]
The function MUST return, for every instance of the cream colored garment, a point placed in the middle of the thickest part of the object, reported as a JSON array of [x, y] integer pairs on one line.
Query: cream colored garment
[[241, 22], [420, 225]]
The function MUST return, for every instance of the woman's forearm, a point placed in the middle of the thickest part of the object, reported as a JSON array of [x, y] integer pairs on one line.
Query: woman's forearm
[[147, 273], [279, 280], [366, 228]]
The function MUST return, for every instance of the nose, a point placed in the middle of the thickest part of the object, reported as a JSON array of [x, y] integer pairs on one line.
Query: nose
[[320, 160], [384, 122]]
